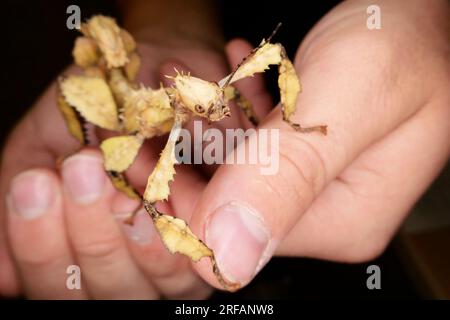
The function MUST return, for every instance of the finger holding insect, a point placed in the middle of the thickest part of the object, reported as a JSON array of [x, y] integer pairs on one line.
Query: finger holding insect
[[95, 235], [52, 141], [251, 224], [38, 236]]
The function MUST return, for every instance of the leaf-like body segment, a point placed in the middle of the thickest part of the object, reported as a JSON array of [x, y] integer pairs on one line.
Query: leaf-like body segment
[[120, 152], [92, 98]]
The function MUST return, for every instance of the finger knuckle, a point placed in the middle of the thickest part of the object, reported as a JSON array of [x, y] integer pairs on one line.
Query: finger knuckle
[[306, 162], [102, 248], [38, 260]]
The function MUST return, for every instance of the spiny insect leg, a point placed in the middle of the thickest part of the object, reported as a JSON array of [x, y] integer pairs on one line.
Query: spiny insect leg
[[245, 105], [74, 121], [290, 87], [157, 188], [130, 219], [299, 128], [178, 238], [121, 183]]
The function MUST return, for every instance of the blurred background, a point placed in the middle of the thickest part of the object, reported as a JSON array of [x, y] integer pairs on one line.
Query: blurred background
[[37, 46]]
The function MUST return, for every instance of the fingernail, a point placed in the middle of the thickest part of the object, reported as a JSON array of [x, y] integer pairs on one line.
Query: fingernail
[[142, 231], [84, 178], [32, 194], [239, 240]]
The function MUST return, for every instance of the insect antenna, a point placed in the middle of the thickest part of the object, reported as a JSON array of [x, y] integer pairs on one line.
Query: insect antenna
[[274, 32]]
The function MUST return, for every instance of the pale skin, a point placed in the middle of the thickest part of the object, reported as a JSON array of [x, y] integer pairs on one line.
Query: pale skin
[[383, 94]]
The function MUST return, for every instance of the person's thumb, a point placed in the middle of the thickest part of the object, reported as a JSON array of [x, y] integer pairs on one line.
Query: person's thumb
[[247, 209]]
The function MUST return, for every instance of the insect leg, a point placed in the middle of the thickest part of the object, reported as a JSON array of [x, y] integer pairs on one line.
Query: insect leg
[[119, 153], [290, 87], [231, 93], [74, 121], [121, 183]]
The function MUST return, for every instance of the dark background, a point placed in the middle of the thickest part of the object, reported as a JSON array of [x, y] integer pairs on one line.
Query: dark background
[[38, 46]]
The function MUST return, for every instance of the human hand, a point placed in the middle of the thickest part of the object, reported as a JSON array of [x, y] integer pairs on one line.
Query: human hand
[[56, 219], [384, 96]]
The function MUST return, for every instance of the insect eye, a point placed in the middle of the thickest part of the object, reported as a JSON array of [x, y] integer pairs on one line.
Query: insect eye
[[199, 108]]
